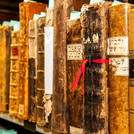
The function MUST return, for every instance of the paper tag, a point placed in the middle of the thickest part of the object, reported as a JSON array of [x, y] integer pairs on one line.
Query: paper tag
[[21, 109], [120, 66], [49, 43], [118, 46], [74, 52], [74, 130]]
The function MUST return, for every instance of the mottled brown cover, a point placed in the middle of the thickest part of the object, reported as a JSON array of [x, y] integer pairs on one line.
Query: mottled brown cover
[[32, 70], [14, 74], [119, 85], [94, 21], [27, 11], [40, 72], [75, 96], [5, 42]]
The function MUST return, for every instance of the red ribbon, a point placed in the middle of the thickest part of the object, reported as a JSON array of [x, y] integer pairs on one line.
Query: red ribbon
[[82, 71]]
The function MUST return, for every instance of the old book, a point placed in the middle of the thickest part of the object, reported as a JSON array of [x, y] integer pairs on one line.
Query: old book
[[74, 61], [27, 10], [14, 74], [5, 42], [94, 21], [40, 72], [131, 68], [32, 69], [119, 68]]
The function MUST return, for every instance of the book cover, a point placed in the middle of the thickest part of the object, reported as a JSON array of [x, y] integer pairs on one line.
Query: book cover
[[14, 74], [94, 21]]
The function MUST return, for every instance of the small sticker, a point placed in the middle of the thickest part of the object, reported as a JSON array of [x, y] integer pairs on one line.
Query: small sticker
[[74, 52], [21, 109], [118, 46], [120, 66]]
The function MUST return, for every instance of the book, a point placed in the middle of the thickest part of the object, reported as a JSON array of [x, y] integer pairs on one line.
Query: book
[[95, 26], [32, 69], [5, 42], [14, 74], [27, 11], [119, 68], [74, 61], [40, 72]]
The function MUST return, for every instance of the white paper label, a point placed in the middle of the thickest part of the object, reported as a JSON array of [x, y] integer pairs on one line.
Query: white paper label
[[74, 52], [120, 66], [21, 109], [49, 42], [118, 46]]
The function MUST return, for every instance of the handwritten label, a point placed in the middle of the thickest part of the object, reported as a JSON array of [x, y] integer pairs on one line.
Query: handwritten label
[[120, 66], [21, 109], [118, 46], [74, 52]]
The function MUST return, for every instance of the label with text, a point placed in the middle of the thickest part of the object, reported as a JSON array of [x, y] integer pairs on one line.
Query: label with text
[[120, 66], [118, 46], [74, 52]]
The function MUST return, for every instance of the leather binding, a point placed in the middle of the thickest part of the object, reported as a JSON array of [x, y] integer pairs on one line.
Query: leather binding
[[119, 68], [74, 43], [94, 21], [27, 11], [131, 69], [40, 72], [5, 42], [32, 70], [14, 74]]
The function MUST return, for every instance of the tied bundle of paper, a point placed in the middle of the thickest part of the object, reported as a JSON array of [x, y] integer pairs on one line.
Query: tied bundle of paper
[[5, 42], [27, 10], [94, 21], [14, 74], [119, 51], [40, 72], [74, 61]]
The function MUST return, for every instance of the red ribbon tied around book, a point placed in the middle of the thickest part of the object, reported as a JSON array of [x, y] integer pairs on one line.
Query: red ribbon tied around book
[[82, 71]]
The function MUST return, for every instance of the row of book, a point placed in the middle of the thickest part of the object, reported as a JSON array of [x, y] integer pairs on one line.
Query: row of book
[[41, 65]]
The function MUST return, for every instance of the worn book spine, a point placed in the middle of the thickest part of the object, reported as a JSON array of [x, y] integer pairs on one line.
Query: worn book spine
[[94, 21], [74, 61], [131, 69], [27, 11], [32, 69], [14, 74], [5, 42], [40, 72], [119, 68]]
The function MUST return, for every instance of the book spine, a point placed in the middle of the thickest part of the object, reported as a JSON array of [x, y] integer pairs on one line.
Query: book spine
[[32, 70], [14, 74], [131, 69], [40, 72], [119, 69], [94, 22], [74, 61]]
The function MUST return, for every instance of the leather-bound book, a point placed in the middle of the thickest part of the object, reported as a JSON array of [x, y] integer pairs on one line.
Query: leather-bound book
[[32, 69], [119, 68], [40, 72], [14, 74], [27, 11], [74, 61], [94, 21], [5, 42], [131, 69]]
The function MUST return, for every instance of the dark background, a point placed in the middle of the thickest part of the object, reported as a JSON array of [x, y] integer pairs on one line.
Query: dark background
[[9, 9]]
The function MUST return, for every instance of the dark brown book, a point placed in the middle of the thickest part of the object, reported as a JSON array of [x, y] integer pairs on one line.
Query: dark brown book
[[5, 43], [94, 21], [40, 72], [27, 11], [74, 61], [14, 74], [32, 69]]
